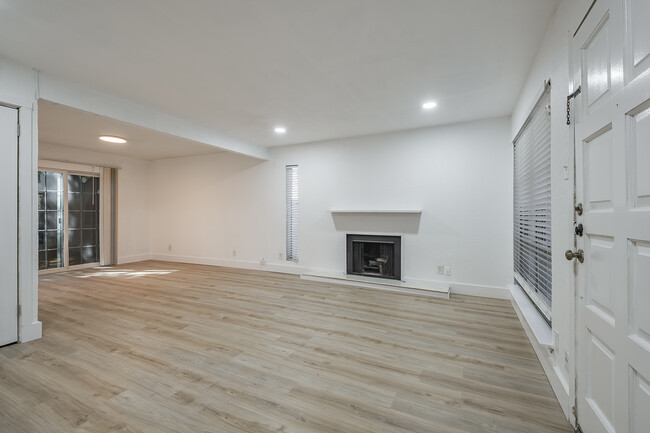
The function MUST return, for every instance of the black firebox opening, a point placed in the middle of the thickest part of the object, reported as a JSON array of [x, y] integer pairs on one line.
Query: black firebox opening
[[374, 256]]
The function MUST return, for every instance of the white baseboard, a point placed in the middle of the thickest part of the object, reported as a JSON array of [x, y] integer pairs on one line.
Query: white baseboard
[[545, 355], [477, 290], [288, 268], [30, 332], [130, 259], [455, 288], [408, 287], [296, 269], [526, 310]]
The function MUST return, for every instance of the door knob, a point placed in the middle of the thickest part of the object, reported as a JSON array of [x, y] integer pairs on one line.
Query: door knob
[[579, 229], [570, 255]]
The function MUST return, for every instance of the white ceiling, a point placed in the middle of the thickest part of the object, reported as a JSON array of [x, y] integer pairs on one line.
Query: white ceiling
[[323, 68], [66, 126]]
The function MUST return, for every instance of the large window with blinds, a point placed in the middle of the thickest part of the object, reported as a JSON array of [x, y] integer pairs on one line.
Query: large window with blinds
[[292, 212], [532, 205]]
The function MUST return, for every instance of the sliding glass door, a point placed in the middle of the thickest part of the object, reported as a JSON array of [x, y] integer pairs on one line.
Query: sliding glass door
[[83, 218], [68, 219], [50, 220]]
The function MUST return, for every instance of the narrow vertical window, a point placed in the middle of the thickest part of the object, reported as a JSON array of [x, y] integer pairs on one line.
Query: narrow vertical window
[[292, 213], [532, 205]]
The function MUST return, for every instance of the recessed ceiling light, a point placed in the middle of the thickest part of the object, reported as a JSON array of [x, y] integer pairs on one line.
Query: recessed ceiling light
[[429, 105], [280, 130], [112, 139]]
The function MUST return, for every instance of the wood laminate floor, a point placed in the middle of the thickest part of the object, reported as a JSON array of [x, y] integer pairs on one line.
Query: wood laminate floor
[[168, 347]]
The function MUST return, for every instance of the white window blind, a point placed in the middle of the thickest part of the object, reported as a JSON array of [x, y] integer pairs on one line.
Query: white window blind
[[532, 205], [292, 212]]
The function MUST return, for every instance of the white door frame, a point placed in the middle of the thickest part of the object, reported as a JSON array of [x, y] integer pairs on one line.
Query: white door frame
[[9, 290]]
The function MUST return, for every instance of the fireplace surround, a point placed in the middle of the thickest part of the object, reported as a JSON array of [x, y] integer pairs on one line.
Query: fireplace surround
[[377, 256]]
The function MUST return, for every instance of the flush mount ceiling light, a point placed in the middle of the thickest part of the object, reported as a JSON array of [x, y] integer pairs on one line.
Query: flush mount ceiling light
[[429, 105], [112, 139], [280, 130]]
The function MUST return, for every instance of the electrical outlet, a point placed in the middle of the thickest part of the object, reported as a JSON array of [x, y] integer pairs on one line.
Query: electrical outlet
[[169, 247], [447, 270], [262, 261], [280, 255], [441, 270], [234, 253]]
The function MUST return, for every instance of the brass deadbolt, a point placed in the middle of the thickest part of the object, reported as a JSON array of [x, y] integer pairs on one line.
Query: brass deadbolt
[[570, 255]]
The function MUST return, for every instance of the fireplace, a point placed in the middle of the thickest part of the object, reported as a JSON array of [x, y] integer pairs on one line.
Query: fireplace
[[374, 256]]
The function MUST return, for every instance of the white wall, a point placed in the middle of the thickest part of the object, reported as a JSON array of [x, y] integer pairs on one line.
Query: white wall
[[459, 175], [17, 89], [552, 61], [133, 220]]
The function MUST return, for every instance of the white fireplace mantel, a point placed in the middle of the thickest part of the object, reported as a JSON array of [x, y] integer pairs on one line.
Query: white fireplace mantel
[[376, 211], [377, 220]]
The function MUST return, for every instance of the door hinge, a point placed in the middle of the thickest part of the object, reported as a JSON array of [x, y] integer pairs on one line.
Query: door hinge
[[568, 104], [574, 411], [20, 310], [18, 129]]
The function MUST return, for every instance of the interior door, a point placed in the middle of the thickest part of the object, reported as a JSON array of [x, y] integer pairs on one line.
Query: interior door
[[612, 142], [9, 224]]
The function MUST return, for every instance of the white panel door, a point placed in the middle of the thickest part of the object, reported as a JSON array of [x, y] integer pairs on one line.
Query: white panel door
[[9, 225], [612, 143]]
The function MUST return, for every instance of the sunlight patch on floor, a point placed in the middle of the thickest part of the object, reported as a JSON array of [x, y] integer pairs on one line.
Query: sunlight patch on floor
[[128, 273]]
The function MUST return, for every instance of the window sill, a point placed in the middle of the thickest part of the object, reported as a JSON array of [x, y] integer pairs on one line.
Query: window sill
[[533, 318]]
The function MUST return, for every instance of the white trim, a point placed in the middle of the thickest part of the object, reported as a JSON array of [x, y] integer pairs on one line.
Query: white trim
[[49, 271], [540, 327], [75, 162], [535, 299], [30, 332], [376, 211], [494, 292], [558, 382], [71, 167], [364, 233], [531, 108], [136, 258], [14, 101], [29, 326], [288, 268], [458, 288], [372, 283]]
